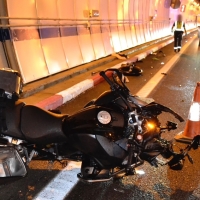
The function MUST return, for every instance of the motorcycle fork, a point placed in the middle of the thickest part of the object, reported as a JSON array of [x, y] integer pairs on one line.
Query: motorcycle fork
[[130, 168]]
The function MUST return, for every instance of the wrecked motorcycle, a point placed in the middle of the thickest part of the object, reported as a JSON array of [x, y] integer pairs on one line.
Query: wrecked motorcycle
[[111, 135]]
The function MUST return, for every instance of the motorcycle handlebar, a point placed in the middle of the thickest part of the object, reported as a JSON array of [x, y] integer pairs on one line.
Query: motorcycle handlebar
[[114, 84], [103, 74], [121, 90]]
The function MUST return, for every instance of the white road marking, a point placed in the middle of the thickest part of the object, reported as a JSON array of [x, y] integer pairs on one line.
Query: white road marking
[[151, 84], [64, 182]]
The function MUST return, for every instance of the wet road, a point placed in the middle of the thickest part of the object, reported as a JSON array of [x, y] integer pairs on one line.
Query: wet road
[[176, 91]]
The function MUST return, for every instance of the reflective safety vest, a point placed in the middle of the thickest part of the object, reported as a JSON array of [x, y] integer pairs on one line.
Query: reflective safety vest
[[179, 26]]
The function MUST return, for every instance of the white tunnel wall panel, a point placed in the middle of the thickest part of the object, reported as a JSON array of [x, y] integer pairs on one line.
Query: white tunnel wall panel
[[84, 37], [137, 21], [147, 32], [131, 23], [105, 29], [120, 17], [127, 4], [160, 28], [128, 36], [115, 38], [69, 34], [155, 31], [31, 67], [112, 6], [97, 42], [50, 36], [122, 37], [26, 41], [151, 30], [146, 5], [127, 27], [165, 18], [71, 46], [141, 25], [141, 10], [107, 39], [85, 44], [95, 31], [133, 34], [138, 33]]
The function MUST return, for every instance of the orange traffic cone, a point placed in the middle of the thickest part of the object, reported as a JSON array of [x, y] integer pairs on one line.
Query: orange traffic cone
[[192, 127]]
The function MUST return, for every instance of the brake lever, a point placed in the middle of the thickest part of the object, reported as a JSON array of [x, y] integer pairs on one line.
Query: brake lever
[[177, 161], [190, 159], [195, 142]]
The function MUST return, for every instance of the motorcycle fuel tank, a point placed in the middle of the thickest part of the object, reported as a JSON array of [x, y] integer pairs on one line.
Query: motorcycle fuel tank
[[94, 131], [95, 120]]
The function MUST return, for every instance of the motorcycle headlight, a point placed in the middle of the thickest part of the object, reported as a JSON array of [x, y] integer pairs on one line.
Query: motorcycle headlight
[[104, 117], [150, 126]]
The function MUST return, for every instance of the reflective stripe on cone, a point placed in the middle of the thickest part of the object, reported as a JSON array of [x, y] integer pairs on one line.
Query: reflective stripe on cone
[[192, 127]]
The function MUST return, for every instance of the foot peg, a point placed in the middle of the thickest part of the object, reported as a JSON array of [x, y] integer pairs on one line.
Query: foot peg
[[93, 180]]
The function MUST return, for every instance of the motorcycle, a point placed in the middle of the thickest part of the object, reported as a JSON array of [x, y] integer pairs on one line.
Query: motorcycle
[[111, 135]]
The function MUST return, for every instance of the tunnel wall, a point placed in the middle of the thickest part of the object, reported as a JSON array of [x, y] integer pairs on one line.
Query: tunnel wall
[[52, 36]]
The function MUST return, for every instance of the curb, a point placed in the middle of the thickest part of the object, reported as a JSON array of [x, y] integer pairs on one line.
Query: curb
[[66, 95]]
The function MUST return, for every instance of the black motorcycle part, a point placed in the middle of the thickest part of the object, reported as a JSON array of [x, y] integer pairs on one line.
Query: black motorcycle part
[[10, 81], [177, 162], [156, 109], [130, 69], [108, 99], [104, 98], [90, 170], [13, 119], [86, 121], [3, 126], [42, 127], [11, 164], [152, 147], [106, 153]]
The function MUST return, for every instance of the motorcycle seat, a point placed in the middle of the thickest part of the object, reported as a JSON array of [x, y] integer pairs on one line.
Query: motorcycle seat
[[12, 119], [41, 126]]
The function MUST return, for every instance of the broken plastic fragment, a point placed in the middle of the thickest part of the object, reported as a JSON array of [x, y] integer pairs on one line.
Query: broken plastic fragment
[[118, 190]]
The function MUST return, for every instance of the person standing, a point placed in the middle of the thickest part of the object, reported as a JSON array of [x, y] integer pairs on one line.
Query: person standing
[[178, 27]]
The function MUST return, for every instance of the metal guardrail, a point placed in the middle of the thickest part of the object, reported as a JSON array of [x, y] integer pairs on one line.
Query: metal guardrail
[[71, 22]]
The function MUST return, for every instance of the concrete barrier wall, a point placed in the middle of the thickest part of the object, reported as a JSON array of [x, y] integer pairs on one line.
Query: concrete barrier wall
[[26, 40], [61, 34]]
